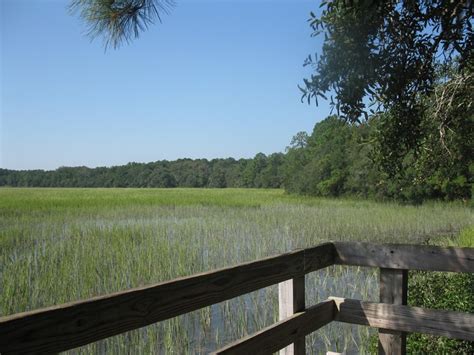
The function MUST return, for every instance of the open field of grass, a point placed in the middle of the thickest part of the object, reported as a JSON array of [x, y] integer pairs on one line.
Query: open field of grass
[[59, 245]]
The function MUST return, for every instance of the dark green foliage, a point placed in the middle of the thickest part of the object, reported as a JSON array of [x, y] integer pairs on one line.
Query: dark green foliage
[[321, 166], [261, 171], [436, 290], [333, 161], [387, 53], [443, 291], [297, 157], [343, 158], [272, 174], [339, 159]]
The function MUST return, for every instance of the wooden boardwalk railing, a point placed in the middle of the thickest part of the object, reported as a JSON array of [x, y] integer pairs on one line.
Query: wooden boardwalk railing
[[71, 325]]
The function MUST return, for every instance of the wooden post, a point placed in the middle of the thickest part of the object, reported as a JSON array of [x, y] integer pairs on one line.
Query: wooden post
[[393, 289], [291, 299]]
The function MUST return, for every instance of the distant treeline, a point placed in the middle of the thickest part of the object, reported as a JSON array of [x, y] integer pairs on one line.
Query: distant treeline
[[261, 172], [336, 159]]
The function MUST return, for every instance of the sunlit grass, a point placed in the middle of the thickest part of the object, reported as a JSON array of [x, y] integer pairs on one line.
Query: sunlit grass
[[59, 245]]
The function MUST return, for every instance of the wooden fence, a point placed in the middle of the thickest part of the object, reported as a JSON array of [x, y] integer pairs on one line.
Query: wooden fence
[[71, 325]]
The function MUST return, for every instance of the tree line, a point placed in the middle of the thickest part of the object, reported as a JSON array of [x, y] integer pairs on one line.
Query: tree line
[[259, 172], [338, 158], [400, 75]]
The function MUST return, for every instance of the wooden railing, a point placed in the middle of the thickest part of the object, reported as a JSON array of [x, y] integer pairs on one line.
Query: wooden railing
[[71, 325]]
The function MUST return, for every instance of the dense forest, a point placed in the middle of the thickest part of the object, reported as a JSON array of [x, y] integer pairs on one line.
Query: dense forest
[[261, 171]]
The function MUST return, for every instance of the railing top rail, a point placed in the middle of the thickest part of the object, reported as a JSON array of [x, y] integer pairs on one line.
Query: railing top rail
[[405, 256], [75, 324]]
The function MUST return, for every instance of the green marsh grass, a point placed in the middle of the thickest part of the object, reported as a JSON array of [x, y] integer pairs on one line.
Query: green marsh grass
[[60, 245]]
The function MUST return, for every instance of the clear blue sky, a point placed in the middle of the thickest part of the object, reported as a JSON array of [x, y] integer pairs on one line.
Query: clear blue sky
[[215, 79]]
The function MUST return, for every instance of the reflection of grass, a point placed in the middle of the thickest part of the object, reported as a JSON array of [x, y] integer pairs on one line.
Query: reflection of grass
[[58, 245]]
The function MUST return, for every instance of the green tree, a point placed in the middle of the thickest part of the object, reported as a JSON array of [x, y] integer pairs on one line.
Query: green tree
[[272, 175], [385, 53], [161, 177], [297, 157], [320, 163], [251, 175], [442, 166]]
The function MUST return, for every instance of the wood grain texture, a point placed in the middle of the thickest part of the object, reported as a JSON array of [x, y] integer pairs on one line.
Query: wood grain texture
[[456, 325], [279, 335], [75, 324], [393, 289], [409, 257], [291, 300], [318, 257]]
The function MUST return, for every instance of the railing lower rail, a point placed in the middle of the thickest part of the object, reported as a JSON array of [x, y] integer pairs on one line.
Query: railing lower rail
[[71, 325]]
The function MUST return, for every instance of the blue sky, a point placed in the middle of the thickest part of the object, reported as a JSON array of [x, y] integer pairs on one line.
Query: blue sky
[[215, 79]]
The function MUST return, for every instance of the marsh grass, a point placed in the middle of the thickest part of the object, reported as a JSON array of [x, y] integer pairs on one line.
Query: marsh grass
[[59, 245]]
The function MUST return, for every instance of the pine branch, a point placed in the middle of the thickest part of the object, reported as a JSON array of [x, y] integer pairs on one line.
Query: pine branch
[[119, 21]]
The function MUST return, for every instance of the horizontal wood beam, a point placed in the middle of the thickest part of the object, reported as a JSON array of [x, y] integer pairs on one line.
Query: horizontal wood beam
[[75, 324], [456, 325], [283, 333], [401, 256]]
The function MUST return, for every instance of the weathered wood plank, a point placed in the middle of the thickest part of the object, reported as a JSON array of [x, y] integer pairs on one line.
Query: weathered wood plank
[[456, 325], [279, 335], [291, 300], [409, 257], [75, 324], [393, 289], [291, 293], [318, 257]]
